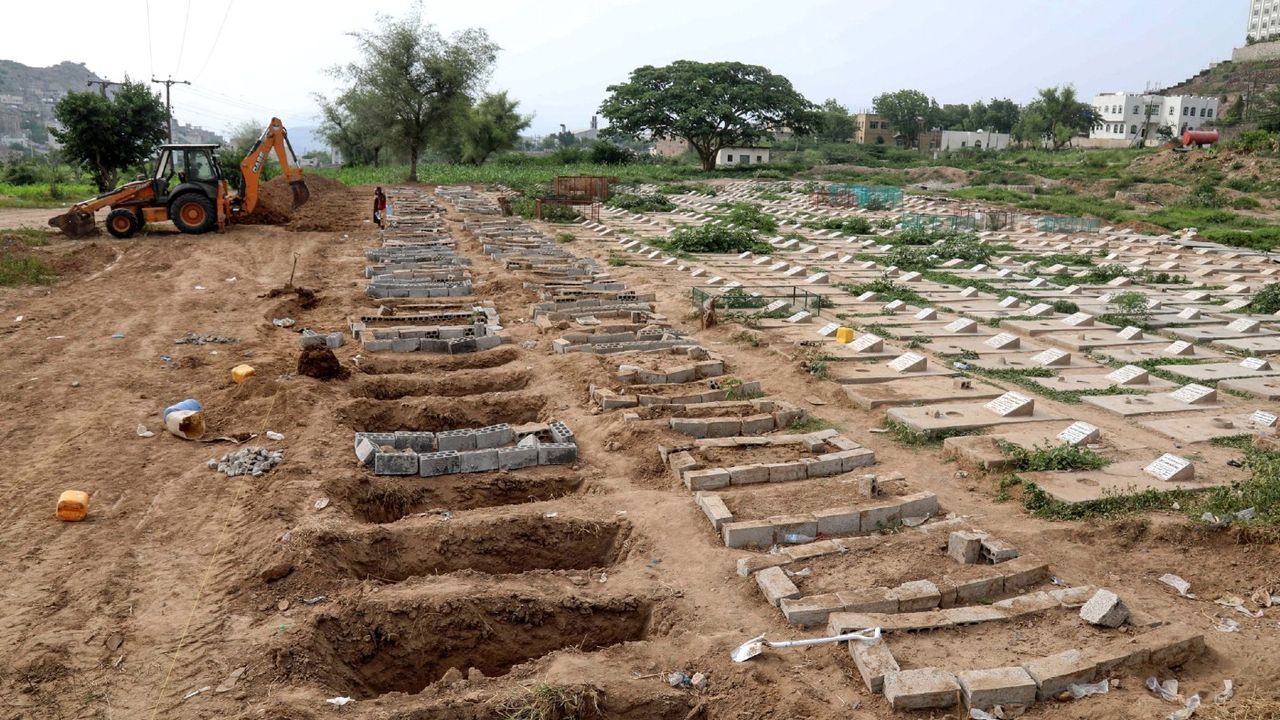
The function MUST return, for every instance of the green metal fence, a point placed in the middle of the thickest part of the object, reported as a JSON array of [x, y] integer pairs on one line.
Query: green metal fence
[[1058, 223], [867, 196]]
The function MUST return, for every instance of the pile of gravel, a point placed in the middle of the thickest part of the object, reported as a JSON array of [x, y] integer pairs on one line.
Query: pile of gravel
[[253, 461], [194, 339]]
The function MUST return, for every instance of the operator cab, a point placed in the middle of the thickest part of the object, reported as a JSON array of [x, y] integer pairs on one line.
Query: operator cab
[[190, 165]]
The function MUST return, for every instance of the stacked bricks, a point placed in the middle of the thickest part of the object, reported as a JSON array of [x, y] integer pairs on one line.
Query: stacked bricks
[[468, 450]]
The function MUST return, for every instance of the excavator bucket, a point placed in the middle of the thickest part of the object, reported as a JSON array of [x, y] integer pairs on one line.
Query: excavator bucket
[[300, 193], [74, 224]]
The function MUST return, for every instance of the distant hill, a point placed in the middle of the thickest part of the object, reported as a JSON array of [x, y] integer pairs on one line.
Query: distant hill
[[55, 81], [1228, 81], [27, 97]]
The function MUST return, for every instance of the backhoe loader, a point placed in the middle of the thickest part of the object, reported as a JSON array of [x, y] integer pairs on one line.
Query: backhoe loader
[[200, 201]]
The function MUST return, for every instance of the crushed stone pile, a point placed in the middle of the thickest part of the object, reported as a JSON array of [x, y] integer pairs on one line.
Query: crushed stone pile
[[254, 461]]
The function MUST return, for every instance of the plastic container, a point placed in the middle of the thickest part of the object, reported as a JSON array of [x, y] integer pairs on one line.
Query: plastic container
[[187, 404], [73, 506], [240, 373], [185, 419]]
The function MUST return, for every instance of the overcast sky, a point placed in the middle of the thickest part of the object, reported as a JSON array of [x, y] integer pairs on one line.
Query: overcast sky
[[559, 56]]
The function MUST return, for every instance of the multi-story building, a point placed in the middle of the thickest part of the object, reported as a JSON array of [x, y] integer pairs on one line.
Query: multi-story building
[[1264, 19], [1137, 117], [871, 129]]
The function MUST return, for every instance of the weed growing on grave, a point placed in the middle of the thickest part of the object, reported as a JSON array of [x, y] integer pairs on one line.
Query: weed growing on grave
[[1111, 505], [750, 216], [1053, 457], [816, 366], [877, 329], [565, 237], [682, 188], [848, 226], [1266, 300], [1002, 487], [617, 261], [545, 701], [918, 341], [733, 388], [812, 423], [747, 338], [1128, 308], [638, 203], [914, 438], [712, 239], [888, 291]]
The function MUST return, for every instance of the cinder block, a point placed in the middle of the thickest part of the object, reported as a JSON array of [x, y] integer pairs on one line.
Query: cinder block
[[709, 479], [693, 427], [921, 689], [415, 441], [997, 551], [756, 425], [804, 526], [811, 610], [916, 596], [723, 427], [682, 461], [822, 466], [748, 474], [851, 460], [972, 590], [786, 472], [494, 436], [873, 660], [747, 533], [838, 521], [878, 517], [776, 586], [915, 505], [557, 453], [1056, 673], [818, 548], [515, 458], [1104, 609], [471, 461], [965, 547], [972, 615], [365, 451], [397, 463], [438, 463], [457, 440], [1023, 572], [984, 689], [714, 508], [1119, 654], [560, 432], [869, 600], [1172, 645], [1029, 604]]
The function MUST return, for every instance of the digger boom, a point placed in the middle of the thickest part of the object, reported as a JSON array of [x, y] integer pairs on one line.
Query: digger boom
[[274, 139]]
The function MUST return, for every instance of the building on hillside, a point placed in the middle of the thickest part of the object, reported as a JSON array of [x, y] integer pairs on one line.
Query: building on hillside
[[871, 129], [1136, 118], [669, 147], [975, 139], [1264, 20], [736, 156]]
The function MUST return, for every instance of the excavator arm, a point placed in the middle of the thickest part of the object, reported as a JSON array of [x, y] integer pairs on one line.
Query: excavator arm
[[78, 220], [274, 138]]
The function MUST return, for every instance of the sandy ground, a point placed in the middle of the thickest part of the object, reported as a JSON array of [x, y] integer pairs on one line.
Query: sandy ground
[[161, 593]]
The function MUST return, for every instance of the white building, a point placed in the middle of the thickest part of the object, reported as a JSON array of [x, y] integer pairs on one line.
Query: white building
[[735, 156], [1130, 117], [1264, 19], [977, 139]]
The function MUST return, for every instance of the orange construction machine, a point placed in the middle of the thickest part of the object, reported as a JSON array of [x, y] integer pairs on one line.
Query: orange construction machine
[[200, 200]]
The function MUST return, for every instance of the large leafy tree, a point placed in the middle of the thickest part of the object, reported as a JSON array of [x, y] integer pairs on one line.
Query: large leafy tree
[[1055, 116], [711, 105], [356, 126], [107, 135], [910, 112], [1001, 115], [417, 81], [835, 124], [492, 125]]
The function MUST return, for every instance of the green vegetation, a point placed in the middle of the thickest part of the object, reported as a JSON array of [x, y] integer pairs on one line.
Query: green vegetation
[[1053, 457], [713, 239], [1266, 301], [914, 438], [1128, 308], [527, 207], [16, 270], [887, 290], [750, 216], [638, 203], [812, 423], [848, 226], [565, 237], [682, 188], [107, 135]]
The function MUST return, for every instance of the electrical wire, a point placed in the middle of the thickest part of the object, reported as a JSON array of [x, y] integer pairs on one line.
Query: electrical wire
[[150, 53], [216, 38], [183, 45]]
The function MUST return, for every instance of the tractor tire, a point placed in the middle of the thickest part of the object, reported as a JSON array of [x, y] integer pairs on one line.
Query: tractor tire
[[122, 223], [193, 213]]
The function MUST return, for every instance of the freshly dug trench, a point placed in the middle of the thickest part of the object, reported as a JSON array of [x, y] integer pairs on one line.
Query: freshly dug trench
[[376, 646], [447, 384], [387, 499], [496, 357], [495, 545], [433, 414]]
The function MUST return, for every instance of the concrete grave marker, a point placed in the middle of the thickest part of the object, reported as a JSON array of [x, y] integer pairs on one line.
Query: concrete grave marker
[[908, 277], [1171, 468], [1255, 363], [775, 306], [1039, 309], [1262, 418], [867, 296], [962, 326], [1129, 375], [1130, 333], [799, 317], [894, 306], [1052, 357], [909, 362], [1010, 302], [969, 292], [1003, 341], [927, 314], [1079, 319], [829, 329], [868, 343], [1079, 433], [1180, 347], [1195, 394], [1037, 282], [1012, 404], [1244, 325], [1189, 314]]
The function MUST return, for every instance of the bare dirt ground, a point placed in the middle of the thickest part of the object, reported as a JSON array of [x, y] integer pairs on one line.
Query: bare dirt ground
[[175, 581]]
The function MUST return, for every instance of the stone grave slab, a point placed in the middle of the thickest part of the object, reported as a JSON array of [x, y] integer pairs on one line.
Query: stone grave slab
[[1203, 428], [1256, 367], [1155, 404], [1121, 478], [929, 389], [957, 344], [1264, 388], [1256, 345], [1028, 360], [850, 373], [1156, 351], [1086, 381], [1212, 333], [1033, 328], [1091, 339], [984, 451], [933, 419]]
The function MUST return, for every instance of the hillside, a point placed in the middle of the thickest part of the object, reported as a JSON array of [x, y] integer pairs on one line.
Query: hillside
[[24, 80], [1228, 81], [27, 97]]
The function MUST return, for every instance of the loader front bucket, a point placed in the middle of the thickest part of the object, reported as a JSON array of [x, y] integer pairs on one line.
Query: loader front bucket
[[74, 224], [300, 193]]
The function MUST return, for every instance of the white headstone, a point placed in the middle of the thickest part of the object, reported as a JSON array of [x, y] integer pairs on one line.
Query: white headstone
[[1189, 314], [1052, 357], [909, 362], [1079, 433], [908, 277], [1262, 418], [1255, 363], [1010, 302], [1196, 296], [1040, 309], [1129, 375], [868, 296], [1119, 281], [1079, 319], [1180, 347], [868, 343], [1244, 325], [1130, 333], [1195, 394], [1072, 290], [962, 326], [1012, 404], [775, 306], [894, 306], [799, 317], [829, 329], [969, 292], [1171, 468], [1003, 341], [927, 314], [1037, 282]]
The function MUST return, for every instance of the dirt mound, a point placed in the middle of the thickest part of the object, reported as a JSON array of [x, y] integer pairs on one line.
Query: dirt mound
[[320, 363], [332, 207]]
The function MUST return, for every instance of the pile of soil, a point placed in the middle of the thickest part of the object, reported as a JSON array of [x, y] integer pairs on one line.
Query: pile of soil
[[321, 364], [332, 207]]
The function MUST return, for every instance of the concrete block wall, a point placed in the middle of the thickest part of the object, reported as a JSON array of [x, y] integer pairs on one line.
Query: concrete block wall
[[795, 529], [466, 450]]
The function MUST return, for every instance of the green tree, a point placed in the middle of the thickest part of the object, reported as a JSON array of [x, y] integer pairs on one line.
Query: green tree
[[711, 105], [1056, 116], [417, 81], [1001, 115], [956, 117], [835, 124], [107, 135], [910, 112], [492, 125], [1264, 109], [356, 126]]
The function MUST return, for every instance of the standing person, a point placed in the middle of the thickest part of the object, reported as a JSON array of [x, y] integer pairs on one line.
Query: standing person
[[379, 206]]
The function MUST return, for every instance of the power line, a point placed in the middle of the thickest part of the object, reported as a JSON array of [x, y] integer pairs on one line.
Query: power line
[[216, 38], [150, 54], [183, 46]]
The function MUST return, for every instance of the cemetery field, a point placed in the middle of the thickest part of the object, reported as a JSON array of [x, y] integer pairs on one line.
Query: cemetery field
[[519, 479]]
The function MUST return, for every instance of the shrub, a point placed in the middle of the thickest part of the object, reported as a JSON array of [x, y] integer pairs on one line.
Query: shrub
[[636, 202], [1267, 300], [848, 226], [1244, 202], [714, 239], [682, 188], [748, 215]]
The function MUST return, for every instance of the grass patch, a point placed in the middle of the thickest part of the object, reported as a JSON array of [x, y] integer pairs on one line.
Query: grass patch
[[813, 423], [16, 271], [1053, 457], [914, 438], [638, 203], [712, 239]]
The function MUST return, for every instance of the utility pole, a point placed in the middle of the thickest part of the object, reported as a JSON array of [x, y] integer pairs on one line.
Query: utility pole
[[102, 85], [168, 106]]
